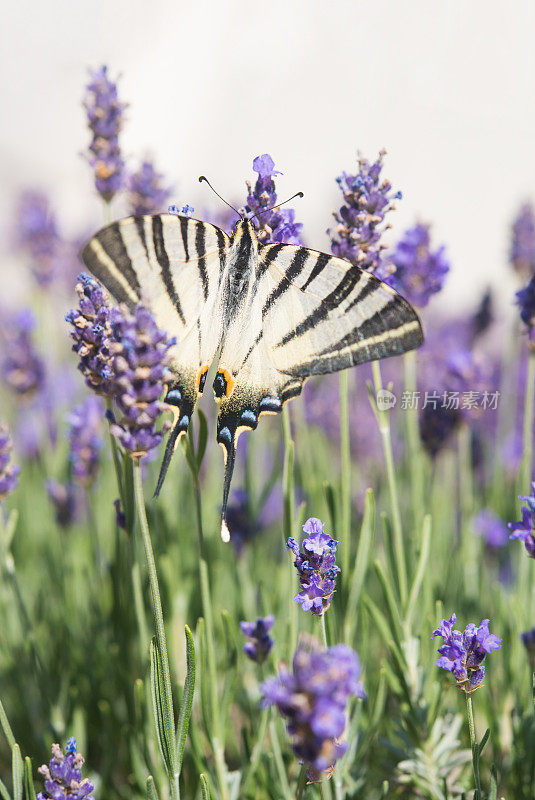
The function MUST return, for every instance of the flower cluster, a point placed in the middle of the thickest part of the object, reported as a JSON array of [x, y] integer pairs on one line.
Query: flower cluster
[[275, 225], [491, 527], [8, 473], [313, 698], [260, 642], [525, 300], [37, 234], [316, 567], [91, 324], [105, 119], [67, 500], [525, 529], [360, 221], [522, 252], [23, 369], [463, 654], [85, 441], [138, 372], [414, 270], [63, 775], [146, 190]]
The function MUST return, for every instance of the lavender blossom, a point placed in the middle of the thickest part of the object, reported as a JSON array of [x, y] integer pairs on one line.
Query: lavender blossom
[[313, 698], [8, 473], [260, 642], [491, 527], [67, 500], [525, 300], [417, 272], [360, 221], [528, 640], [316, 567], [463, 654], [105, 119], [63, 775], [147, 192], [522, 252], [36, 234], [91, 324], [139, 370], [23, 369], [278, 224], [525, 529], [85, 440]]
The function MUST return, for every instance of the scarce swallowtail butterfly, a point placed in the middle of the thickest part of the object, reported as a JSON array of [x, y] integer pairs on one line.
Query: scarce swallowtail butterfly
[[271, 315]]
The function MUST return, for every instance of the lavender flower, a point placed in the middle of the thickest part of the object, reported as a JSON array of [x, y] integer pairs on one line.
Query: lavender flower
[[260, 642], [277, 225], [85, 441], [37, 234], [525, 300], [139, 370], [437, 426], [313, 698], [63, 775], [360, 221], [146, 190], [67, 500], [417, 272], [463, 654], [525, 529], [91, 324], [528, 640], [522, 252], [316, 567], [8, 473], [491, 527], [22, 367], [105, 119]]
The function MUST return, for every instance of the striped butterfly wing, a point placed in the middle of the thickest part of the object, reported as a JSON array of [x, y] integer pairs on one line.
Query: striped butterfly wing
[[308, 313], [173, 265]]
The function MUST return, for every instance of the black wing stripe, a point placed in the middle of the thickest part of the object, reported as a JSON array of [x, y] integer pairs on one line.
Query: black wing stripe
[[112, 241], [296, 267], [200, 247], [352, 277], [184, 233], [387, 320], [321, 262], [140, 227], [163, 261]]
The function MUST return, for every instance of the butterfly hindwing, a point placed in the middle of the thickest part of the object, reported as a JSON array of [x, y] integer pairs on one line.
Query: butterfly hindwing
[[173, 264]]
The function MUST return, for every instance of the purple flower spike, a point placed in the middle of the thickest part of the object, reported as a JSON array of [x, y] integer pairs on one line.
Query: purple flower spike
[[91, 324], [8, 473], [528, 640], [63, 775], [67, 500], [313, 698], [525, 300], [491, 527], [85, 440], [525, 529], [522, 253], [147, 192], [22, 368], [260, 642], [415, 271], [139, 370], [278, 224], [463, 654], [360, 221], [105, 119], [316, 566]]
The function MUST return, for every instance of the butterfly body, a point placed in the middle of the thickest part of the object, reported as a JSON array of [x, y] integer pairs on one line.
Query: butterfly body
[[269, 315]]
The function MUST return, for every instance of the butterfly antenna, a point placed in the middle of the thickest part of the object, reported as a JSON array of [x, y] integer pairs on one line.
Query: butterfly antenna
[[202, 178], [265, 210]]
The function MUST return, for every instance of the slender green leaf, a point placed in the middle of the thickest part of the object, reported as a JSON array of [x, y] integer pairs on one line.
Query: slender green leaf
[[420, 571], [493, 791], [187, 699], [164, 728], [6, 727], [364, 548], [9, 530], [17, 771], [152, 794], [484, 741], [28, 779], [331, 504], [128, 487], [4, 791], [204, 788], [392, 604]]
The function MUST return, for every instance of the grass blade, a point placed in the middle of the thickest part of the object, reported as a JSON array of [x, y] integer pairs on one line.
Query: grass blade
[[187, 699]]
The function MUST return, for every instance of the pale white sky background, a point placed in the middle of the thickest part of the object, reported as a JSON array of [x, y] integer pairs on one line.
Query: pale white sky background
[[447, 88]]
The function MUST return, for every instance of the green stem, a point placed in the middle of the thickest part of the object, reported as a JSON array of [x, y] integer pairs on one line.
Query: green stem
[[527, 450], [279, 763], [323, 629], [345, 474], [301, 783], [384, 429], [156, 601], [414, 442], [289, 518], [474, 746]]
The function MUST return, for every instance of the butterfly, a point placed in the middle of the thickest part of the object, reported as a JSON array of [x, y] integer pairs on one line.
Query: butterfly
[[269, 315]]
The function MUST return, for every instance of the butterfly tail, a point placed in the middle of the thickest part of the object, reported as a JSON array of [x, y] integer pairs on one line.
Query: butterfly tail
[[228, 440], [178, 430]]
